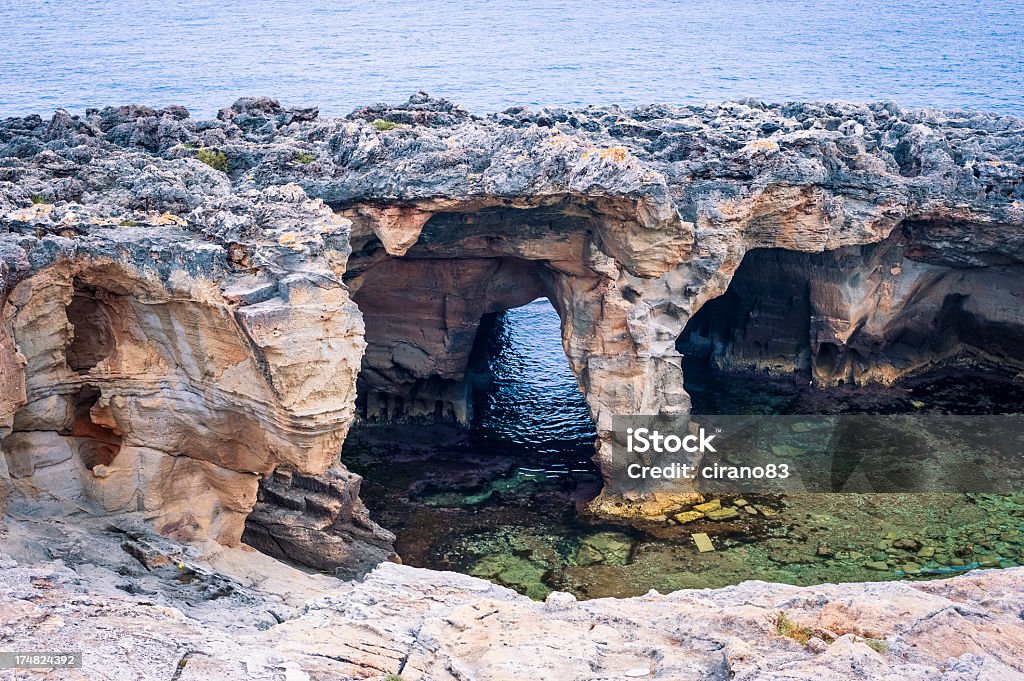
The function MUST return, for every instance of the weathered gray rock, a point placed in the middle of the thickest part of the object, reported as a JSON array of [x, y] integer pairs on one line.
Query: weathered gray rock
[[902, 230], [156, 610], [319, 522]]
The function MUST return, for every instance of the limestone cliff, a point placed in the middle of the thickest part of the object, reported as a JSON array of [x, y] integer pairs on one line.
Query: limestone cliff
[[176, 293], [149, 366]]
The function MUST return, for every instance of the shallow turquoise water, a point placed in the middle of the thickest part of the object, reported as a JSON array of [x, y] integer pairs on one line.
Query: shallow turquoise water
[[490, 55]]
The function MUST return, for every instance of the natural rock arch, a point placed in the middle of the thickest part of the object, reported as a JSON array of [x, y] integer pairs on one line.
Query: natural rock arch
[[423, 303], [635, 219]]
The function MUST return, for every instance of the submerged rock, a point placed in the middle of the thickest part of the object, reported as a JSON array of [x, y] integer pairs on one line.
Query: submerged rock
[[609, 548], [722, 514], [687, 517], [515, 572], [703, 542], [907, 544]]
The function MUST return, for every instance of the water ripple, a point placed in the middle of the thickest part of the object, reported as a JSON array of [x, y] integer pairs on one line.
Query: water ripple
[[534, 398], [491, 55]]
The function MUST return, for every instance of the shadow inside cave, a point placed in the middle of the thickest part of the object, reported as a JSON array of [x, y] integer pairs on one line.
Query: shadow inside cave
[[789, 336]]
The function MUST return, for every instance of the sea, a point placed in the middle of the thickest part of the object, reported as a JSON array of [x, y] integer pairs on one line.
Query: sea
[[490, 55]]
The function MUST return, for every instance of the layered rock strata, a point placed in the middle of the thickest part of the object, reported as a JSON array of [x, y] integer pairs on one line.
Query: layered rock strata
[[206, 265], [238, 615], [317, 521], [151, 367]]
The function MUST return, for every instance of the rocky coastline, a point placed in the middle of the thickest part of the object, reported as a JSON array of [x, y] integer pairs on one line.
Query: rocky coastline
[[196, 312]]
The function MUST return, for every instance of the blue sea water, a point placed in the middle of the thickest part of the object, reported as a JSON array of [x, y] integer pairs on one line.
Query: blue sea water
[[533, 399], [491, 55]]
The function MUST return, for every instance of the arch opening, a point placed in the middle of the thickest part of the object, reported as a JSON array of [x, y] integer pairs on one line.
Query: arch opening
[[93, 427], [91, 314], [884, 329], [474, 438], [425, 320], [498, 498], [523, 389], [871, 319]]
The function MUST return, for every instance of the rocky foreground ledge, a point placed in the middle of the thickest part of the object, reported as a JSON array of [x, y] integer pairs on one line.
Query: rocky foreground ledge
[[142, 607]]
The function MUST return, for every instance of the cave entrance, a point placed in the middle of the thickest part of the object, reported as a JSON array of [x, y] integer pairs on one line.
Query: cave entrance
[[748, 351], [99, 440], [90, 315], [428, 323], [868, 330], [474, 437], [478, 347], [862, 329]]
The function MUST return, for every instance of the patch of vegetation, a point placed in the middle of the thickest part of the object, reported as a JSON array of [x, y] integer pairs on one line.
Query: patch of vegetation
[[128, 222], [189, 145], [304, 158], [790, 629], [877, 645], [393, 677], [39, 199], [217, 160], [785, 626], [384, 125]]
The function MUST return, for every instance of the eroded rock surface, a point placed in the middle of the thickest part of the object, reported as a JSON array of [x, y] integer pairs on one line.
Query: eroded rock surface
[[151, 609], [318, 521], [204, 264], [163, 365]]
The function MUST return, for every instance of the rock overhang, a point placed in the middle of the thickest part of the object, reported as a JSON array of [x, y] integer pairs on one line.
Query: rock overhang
[[650, 211]]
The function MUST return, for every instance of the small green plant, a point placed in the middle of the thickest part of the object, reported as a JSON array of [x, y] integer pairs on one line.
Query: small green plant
[[879, 646], [39, 199], [217, 160], [128, 222], [304, 157], [189, 145], [790, 629], [393, 677], [384, 125]]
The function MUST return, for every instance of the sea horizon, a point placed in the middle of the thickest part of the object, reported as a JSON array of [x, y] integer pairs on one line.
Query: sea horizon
[[921, 53]]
